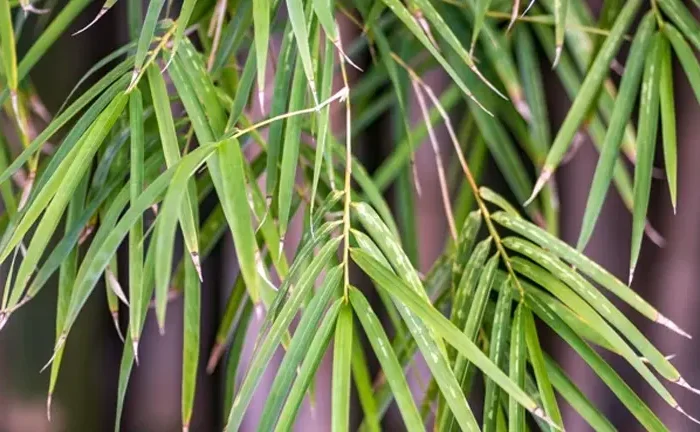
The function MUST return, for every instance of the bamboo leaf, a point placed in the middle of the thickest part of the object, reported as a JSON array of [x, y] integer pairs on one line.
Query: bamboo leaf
[[683, 19], [560, 12], [274, 336], [66, 278], [686, 57], [261, 22], [171, 151], [387, 359], [668, 120], [290, 152], [640, 410], [497, 354], [283, 79], [298, 348], [308, 368], [444, 328], [465, 244], [471, 328], [100, 253], [589, 89], [536, 356], [576, 398], [148, 30], [517, 362], [622, 111], [190, 345], [55, 196], [136, 184], [182, 20], [584, 265], [363, 384], [480, 10], [296, 11], [407, 19], [646, 147], [340, 383]]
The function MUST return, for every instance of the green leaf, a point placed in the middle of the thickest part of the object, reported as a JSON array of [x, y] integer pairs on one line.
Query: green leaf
[[171, 151], [323, 125], [576, 398], [598, 301], [66, 279], [465, 244], [561, 8], [584, 265], [306, 373], [298, 348], [340, 382], [283, 79], [638, 408], [646, 147], [685, 56], [53, 198], [589, 90], [480, 10], [296, 11], [136, 184], [182, 21], [190, 344], [443, 327], [274, 336], [517, 362], [7, 43], [497, 355], [409, 21], [387, 359], [363, 384], [668, 120], [533, 86], [290, 152], [261, 21], [683, 19], [539, 366], [471, 326], [99, 254], [148, 30], [464, 293], [622, 111]]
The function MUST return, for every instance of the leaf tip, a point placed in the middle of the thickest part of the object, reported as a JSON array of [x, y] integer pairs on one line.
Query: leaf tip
[[631, 276], [683, 383], [48, 406], [3, 319], [557, 56], [682, 411], [541, 181], [523, 108], [261, 99], [91, 23], [671, 325], [135, 348], [539, 412], [59, 344], [197, 265], [115, 319], [214, 357]]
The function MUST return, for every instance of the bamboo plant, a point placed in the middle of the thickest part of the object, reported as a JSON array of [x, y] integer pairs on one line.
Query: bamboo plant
[[185, 94]]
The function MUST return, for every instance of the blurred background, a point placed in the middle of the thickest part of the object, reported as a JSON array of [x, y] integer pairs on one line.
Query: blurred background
[[86, 394]]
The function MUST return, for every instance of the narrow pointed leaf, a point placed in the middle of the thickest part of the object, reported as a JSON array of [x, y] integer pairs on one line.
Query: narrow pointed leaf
[[646, 147], [668, 120]]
